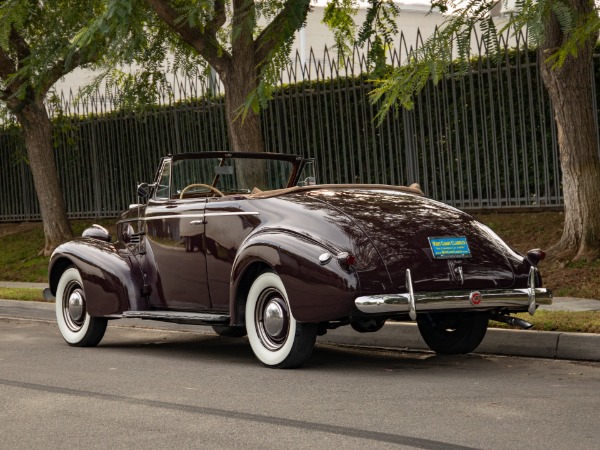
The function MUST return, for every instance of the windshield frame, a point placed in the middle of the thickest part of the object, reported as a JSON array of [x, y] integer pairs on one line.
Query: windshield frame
[[298, 162]]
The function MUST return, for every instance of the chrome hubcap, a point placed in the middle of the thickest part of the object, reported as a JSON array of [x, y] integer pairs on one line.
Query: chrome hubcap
[[272, 319], [74, 310], [76, 306]]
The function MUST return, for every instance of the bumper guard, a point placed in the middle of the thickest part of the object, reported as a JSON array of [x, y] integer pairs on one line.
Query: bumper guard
[[483, 300]]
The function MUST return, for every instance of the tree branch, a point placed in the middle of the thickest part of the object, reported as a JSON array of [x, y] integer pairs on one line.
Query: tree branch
[[205, 43], [218, 19], [63, 66], [7, 66], [284, 25], [19, 44]]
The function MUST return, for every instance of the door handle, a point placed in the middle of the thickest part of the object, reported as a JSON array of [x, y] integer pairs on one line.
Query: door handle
[[198, 222]]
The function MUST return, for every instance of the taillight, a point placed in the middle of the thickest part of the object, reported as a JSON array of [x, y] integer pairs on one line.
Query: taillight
[[346, 260], [535, 256]]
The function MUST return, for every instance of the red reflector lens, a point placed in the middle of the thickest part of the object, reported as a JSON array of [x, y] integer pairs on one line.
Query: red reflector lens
[[346, 260], [536, 255]]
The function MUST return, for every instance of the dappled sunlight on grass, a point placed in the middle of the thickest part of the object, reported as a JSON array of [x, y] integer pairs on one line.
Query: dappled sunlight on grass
[[20, 246], [26, 294], [566, 321]]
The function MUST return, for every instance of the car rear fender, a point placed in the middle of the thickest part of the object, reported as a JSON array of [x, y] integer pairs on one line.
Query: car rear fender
[[112, 278], [317, 291]]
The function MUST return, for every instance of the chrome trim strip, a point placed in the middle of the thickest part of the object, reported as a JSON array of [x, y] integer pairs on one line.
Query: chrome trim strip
[[412, 309], [452, 300], [172, 216], [531, 284], [190, 216], [193, 216], [245, 213], [176, 315]]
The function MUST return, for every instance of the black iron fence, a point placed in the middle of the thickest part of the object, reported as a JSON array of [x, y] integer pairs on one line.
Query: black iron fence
[[481, 140]]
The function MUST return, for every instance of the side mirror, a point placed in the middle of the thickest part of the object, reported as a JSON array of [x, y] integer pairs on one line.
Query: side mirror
[[97, 232], [143, 190]]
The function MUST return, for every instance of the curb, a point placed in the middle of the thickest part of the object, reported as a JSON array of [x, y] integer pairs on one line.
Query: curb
[[394, 335], [499, 341]]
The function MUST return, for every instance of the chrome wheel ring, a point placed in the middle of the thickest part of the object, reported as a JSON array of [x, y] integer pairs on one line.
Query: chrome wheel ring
[[272, 319], [74, 310]]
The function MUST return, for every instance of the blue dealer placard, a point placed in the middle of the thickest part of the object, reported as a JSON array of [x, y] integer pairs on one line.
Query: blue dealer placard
[[449, 247]]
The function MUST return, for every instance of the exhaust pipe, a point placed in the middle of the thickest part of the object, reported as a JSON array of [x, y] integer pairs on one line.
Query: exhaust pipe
[[512, 321]]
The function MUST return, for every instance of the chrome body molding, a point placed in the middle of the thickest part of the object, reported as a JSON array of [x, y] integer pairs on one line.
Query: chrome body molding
[[178, 316], [416, 302], [190, 216], [412, 306], [235, 213]]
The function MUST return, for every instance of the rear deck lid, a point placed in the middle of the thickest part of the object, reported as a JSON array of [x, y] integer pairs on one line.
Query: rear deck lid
[[444, 248]]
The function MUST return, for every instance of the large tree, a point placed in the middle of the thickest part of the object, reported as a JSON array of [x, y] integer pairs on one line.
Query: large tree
[[565, 33], [224, 34], [245, 41], [35, 37]]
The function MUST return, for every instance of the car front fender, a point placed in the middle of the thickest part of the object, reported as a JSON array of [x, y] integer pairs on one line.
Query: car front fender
[[317, 291], [112, 278]]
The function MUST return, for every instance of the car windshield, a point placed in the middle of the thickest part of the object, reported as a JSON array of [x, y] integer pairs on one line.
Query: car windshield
[[229, 175]]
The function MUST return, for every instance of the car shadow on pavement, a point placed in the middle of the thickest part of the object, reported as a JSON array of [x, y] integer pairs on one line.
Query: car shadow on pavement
[[330, 357]]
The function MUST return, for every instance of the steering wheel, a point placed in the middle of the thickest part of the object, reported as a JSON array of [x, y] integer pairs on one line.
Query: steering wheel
[[190, 186]]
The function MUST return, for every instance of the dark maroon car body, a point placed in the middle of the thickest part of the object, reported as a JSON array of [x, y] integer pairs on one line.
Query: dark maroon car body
[[346, 254]]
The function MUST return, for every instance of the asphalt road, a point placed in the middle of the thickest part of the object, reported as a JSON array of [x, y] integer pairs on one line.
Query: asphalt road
[[145, 388]]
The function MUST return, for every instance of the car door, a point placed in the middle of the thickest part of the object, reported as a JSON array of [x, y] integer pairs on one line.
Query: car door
[[174, 255], [228, 222]]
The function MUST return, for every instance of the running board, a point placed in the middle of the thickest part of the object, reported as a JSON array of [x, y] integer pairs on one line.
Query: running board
[[179, 317]]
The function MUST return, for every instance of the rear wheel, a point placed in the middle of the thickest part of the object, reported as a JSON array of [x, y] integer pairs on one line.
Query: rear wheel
[[453, 333], [276, 338], [77, 327]]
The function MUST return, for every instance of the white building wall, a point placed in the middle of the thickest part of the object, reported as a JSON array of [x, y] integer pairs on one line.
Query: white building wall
[[414, 16]]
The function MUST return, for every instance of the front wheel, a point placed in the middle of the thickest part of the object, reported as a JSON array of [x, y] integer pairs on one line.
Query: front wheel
[[453, 333], [276, 338], [77, 327]]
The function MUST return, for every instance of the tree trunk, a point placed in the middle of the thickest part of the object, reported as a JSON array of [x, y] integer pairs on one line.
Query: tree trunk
[[240, 79], [245, 134], [570, 89], [37, 132]]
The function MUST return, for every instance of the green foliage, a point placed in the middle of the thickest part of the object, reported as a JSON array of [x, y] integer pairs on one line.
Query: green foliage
[[433, 60], [36, 36], [268, 83], [379, 29], [139, 37], [14, 14], [339, 16], [137, 50], [485, 135]]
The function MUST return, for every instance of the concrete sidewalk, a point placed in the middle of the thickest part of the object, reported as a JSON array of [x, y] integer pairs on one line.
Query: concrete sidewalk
[[394, 335]]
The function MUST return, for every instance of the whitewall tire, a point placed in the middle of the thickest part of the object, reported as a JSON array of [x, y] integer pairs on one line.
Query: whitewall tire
[[77, 327], [276, 338]]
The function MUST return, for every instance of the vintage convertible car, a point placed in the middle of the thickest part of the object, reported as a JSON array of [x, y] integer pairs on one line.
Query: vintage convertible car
[[249, 244]]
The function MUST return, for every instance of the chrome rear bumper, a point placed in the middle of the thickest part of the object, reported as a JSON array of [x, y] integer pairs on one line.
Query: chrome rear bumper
[[482, 300]]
